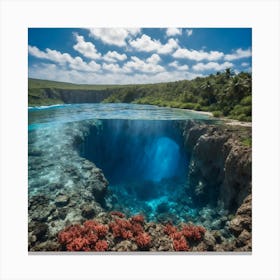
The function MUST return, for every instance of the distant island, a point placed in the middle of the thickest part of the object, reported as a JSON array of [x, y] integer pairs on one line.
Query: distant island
[[225, 94]]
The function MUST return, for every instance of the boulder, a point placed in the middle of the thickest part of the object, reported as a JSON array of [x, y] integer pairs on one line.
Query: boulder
[[88, 211], [61, 200]]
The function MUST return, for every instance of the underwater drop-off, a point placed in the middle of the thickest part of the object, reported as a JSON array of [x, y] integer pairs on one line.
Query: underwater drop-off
[[118, 178]]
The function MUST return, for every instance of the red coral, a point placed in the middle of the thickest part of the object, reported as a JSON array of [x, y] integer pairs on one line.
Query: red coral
[[137, 219], [136, 228], [91, 235], [83, 237], [90, 224], [69, 234], [180, 244], [121, 228], [143, 240], [101, 246], [78, 244], [193, 232], [181, 237], [131, 229], [117, 213], [169, 229]]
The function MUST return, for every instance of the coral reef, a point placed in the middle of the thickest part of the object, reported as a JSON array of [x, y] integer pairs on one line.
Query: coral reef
[[128, 234], [188, 234], [86, 237]]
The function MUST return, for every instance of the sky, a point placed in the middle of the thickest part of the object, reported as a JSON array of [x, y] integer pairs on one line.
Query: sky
[[136, 55]]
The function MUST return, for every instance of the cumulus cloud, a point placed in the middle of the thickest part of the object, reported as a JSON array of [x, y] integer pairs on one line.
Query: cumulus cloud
[[146, 44], [244, 64], [87, 49], [173, 31], [177, 66], [239, 53], [148, 66], [211, 66], [54, 72], [197, 55], [113, 56], [114, 36], [115, 68], [189, 32], [154, 59], [63, 59], [168, 47]]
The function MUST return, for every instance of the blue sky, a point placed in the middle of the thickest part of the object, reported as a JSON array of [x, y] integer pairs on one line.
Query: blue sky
[[136, 55]]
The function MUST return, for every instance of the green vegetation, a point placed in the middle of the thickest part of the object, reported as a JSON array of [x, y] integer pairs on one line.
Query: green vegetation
[[247, 142], [224, 94]]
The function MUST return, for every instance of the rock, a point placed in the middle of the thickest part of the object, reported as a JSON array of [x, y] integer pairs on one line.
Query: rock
[[244, 238], [61, 200], [39, 230], [201, 247], [88, 211], [37, 201], [125, 246], [62, 213], [243, 217], [209, 241], [220, 166], [246, 207], [164, 244], [47, 246], [41, 213], [218, 236], [99, 190]]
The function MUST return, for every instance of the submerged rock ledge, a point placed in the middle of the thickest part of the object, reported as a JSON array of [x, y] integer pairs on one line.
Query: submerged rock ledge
[[219, 172]]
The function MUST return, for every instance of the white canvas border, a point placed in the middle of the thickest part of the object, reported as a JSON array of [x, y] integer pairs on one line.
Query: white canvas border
[[17, 16]]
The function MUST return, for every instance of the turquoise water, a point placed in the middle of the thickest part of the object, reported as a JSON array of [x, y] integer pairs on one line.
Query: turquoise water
[[139, 148], [56, 114]]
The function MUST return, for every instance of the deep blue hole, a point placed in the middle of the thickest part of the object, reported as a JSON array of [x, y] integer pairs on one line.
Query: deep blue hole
[[142, 160]]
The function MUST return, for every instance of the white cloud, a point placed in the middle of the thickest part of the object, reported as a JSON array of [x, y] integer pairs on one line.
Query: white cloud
[[113, 56], [34, 51], [212, 66], [53, 55], [244, 64], [87, 49], [197, 55], [146, 44], [239, 53], [54, 72], [64, 59], [173, 31], [114, 36], [154, 59], [179, 67], [112, 67], [168, 47], [148, 66], [189, 32]]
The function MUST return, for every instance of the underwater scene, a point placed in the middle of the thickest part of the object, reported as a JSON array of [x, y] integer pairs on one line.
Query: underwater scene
[[130, 177]]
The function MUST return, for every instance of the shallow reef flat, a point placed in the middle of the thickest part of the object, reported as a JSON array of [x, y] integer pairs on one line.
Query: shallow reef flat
[[193, 195]]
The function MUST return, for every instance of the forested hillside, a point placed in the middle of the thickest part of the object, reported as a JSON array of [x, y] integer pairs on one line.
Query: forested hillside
[[223, 93]]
